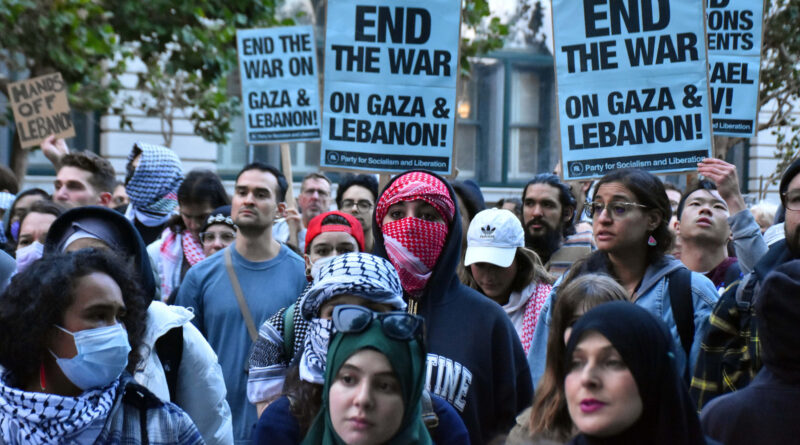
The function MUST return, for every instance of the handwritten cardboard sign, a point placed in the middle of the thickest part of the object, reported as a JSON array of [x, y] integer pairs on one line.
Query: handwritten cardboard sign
[[40, 109]]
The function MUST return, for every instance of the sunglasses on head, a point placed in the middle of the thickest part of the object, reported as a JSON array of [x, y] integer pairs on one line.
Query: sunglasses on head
[[352, 319]]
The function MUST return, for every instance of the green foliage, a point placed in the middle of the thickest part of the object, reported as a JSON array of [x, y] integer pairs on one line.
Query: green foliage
[[489, 32], [187, 47], [73, 37], [780, 80]]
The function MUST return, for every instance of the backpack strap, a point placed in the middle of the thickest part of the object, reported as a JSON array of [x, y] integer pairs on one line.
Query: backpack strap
[[680, 299], [428, 413], [288, 332], [169, 348]]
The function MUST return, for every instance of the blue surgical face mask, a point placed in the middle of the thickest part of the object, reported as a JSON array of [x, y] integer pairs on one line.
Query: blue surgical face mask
[[101, 358], [28, 254]]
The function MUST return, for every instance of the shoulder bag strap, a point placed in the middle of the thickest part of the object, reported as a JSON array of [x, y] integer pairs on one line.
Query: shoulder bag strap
[[680, 298], [237, 289], [288, 332]]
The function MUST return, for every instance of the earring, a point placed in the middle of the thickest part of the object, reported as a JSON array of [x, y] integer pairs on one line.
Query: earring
[[651, 241], [42, 381]]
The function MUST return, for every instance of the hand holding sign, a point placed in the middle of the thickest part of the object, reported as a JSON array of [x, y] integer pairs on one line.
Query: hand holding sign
[[54, 149]]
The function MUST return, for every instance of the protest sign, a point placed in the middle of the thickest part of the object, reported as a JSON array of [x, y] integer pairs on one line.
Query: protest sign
[[40, 109], [278, 72], [390, 85], [734, 62], [632, 85]]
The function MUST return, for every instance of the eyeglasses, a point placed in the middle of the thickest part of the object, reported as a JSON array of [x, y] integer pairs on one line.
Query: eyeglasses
[[210, 237], [791, 200], [615, 209], [352, 319], [363, 205]]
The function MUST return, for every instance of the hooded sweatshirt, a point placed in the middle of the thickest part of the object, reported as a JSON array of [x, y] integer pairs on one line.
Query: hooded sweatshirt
[[475, 360]]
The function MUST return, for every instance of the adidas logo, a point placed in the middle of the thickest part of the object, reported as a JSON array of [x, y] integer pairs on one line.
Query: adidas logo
[[487, 231]]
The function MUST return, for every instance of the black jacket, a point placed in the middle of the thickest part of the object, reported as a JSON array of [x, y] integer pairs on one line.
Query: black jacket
[[475, 359]]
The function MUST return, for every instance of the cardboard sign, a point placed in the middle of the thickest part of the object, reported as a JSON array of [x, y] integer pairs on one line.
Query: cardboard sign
[[40, 109], [390, 85], [278, 71], [734, 64], [632, 85]]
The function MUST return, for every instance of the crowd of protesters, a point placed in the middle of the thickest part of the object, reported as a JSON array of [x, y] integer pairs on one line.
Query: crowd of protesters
[[625, 310]]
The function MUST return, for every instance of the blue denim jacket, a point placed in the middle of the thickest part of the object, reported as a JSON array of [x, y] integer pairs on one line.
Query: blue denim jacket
[[653, 296]]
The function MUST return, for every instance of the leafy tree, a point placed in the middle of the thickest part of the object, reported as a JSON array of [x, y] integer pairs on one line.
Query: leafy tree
[[780, 83]]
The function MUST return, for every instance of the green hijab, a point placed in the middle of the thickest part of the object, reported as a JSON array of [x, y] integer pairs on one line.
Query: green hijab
[[407, 359]]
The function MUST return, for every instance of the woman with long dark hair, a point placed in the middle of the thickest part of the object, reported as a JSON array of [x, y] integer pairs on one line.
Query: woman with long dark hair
[[630, 213]]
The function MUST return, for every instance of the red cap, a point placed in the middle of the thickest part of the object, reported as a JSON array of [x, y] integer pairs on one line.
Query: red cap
[[315, 227]]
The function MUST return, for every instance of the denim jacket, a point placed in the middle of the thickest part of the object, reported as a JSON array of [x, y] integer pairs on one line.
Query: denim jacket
[[653, 296]]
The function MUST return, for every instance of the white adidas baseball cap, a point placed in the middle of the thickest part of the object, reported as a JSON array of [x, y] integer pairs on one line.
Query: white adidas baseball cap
[[493, 237]]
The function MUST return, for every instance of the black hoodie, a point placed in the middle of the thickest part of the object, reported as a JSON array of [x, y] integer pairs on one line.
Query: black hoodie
[[475, 359]]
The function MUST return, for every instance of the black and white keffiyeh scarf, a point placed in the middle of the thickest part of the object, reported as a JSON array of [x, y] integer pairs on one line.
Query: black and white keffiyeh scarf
[[32, 417], [153, 186], [361, 274]]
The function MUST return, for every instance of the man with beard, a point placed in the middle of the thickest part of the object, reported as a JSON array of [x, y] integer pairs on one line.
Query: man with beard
[[233, 292], [548, 208], [731, 353]]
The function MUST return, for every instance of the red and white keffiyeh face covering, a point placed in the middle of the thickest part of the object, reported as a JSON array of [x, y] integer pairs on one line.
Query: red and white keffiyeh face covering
[[413, 245]]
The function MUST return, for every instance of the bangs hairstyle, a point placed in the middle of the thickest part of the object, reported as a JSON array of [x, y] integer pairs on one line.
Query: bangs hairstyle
[[577, 292], [38, 298], [648, 191]]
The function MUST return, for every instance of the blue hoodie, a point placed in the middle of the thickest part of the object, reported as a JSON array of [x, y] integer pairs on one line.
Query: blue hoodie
[[475, 359]]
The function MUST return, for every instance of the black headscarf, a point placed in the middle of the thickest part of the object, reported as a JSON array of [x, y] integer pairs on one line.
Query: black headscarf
[[668, 416], [778, 314], [113, 229]]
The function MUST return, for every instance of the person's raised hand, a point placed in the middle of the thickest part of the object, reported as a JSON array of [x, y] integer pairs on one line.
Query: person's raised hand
[[54, 149], [727, 181]]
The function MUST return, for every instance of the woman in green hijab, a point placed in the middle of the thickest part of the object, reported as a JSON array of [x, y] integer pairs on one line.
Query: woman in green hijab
[[373, 381]]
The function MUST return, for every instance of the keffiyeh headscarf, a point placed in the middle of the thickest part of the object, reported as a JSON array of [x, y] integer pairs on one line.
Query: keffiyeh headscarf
[[153, 185], [356, 273], [413, 245], [32, 417], [360, 274]]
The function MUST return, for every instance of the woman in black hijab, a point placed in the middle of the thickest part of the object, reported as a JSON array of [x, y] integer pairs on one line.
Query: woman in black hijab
[[621, 382]]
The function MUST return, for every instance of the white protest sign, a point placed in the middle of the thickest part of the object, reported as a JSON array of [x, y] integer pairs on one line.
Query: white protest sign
[[632, 85], [390, 85], [278, 71], [734, 62]]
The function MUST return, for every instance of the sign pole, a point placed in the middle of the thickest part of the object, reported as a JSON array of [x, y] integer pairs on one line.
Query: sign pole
[[286, 164]]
